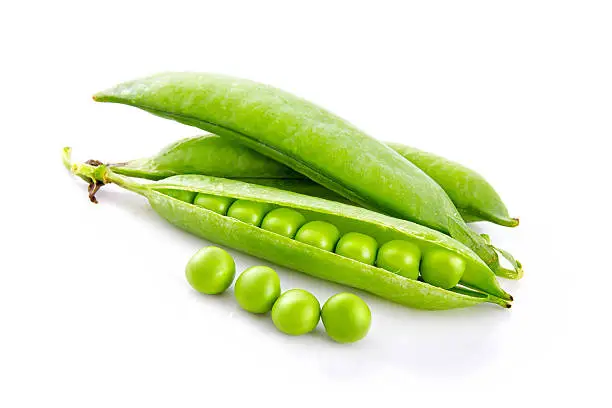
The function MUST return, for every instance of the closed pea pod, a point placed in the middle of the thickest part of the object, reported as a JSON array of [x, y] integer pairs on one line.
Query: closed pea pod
[[311, 141], [212, 155], [305, 257]]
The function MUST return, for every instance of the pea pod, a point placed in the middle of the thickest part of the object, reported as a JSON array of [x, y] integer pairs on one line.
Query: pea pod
[[311, 141], [212, 155], [310, 259]]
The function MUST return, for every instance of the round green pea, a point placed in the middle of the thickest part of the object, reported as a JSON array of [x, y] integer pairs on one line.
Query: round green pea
[[283, 221], [183, 195], [211, 270], [346, 318], [442, 268], [320, 234], [213, 203], [257, 288], [296, 312], [251, 212], [357, 246], [401, 257]]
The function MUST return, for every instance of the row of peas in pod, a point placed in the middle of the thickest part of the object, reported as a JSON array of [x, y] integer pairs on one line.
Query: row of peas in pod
[[437, 267], [295, 312]]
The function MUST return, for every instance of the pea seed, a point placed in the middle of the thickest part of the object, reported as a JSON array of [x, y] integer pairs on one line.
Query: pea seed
[[401, 257], [357, 246], [296, 312], [183, 195], [251, 212], [320, 234], [442, 268], [257, 288], [283, 221], [213, 203], [346, 318], [211, 270]]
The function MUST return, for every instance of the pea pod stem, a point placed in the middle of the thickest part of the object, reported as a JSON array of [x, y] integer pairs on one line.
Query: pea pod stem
[[288, 252]]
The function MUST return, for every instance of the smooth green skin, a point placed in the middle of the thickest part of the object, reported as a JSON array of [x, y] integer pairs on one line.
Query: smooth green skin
[[401, 257], [283, 221], [257, 288], [442, 269], [251, 212], [320, 234], [217, 204], [186, 196], [211, 270], [308, 139], [359, 247], [296, 312], [307, 258], [346, 318], [212, 155], [472, 194]]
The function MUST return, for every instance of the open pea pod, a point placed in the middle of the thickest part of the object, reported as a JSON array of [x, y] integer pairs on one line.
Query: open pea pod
[[178, 200], [310, 140], [212, 155]]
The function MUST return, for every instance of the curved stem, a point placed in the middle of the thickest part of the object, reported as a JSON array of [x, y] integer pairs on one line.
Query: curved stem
[[97, 174]]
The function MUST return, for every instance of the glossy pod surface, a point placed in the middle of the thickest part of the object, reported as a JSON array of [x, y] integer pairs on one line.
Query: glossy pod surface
[[308, 139], [307, 258], [212, 155]]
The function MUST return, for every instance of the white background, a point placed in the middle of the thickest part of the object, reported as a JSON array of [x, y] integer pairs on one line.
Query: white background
[[94, 307]]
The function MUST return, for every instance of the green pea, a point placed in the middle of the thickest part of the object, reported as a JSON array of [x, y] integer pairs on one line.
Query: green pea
[[283, 221], [257, 288], [401, 257], [213, 203], [357, 246], [320, 234], [346, 318], [442, 268], [211, 270], [183, 195], [251, 212], [296, 312]]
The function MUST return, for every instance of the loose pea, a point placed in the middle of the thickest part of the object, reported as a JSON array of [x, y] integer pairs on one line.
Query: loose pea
[[251, 212], [320, 234], [442, 268], [359, 247], [183, 195], [213, 203], [296, 312], [283, 221], [257, 288], [211, 270], [401, 257], [346, 318]]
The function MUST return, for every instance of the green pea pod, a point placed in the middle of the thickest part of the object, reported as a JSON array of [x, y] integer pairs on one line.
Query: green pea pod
[[309, 259], [308, 139], [212, 155]]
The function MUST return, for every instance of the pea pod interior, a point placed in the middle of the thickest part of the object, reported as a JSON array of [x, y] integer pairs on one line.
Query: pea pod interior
[[346, 218]]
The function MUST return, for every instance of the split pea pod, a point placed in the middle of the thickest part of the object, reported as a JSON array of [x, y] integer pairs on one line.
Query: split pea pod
[[310, 140], [211, 155], [309, 243]]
